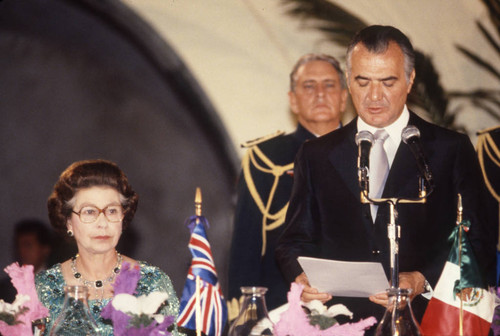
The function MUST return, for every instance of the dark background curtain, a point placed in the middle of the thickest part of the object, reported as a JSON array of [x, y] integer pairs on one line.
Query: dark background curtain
[[89, 79]]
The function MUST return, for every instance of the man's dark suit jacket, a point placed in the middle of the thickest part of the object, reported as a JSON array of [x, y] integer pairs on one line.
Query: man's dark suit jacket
[[326, 219]]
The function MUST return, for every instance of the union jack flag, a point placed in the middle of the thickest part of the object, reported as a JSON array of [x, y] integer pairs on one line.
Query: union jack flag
[[212, 307]]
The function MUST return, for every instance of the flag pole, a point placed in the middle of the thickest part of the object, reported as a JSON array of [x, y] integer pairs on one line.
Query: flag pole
[[198, 312], [197, 210], [460, 228]]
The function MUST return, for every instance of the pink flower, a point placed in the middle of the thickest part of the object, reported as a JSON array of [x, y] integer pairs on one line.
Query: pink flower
[[294, 321], [23, 279]]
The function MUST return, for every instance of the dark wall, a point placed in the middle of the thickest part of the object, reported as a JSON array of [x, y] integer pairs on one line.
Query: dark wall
[[89, 79]]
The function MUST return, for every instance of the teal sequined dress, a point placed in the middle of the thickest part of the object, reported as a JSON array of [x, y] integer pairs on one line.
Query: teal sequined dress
[[50, 287]]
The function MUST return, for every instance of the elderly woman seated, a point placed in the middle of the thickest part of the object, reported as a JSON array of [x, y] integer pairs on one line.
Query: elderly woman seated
[[92, 202]]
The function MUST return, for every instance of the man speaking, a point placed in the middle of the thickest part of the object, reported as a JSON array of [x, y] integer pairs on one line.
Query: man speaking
[[326, 218]]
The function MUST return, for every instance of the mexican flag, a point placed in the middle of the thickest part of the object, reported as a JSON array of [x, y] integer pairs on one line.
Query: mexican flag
[[460, 291]]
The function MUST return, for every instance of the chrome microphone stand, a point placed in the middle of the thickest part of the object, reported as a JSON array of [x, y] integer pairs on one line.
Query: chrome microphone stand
[[393, 229]]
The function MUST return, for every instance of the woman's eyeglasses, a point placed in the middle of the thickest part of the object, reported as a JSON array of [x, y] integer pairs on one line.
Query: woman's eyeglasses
[[89, 214]]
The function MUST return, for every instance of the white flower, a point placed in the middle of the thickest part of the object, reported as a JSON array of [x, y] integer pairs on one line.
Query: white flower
[[338, 309], [144, 304], [14, 307], [158, 318], [315, 306]]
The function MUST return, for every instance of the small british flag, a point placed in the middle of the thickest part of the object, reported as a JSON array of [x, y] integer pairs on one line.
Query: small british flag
[[207, 304]]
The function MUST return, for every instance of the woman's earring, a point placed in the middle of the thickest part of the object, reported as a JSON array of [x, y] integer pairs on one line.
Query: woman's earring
[[70, 233]]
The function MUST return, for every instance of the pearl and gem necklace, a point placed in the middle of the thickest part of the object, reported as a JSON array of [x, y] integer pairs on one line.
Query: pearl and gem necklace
[[97, 284]]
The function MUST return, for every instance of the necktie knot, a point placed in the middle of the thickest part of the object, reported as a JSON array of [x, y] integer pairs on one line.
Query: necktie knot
[[381, 135]]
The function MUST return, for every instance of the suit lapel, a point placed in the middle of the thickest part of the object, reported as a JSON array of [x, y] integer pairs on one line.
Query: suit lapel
[[343, 157], [402, 180]]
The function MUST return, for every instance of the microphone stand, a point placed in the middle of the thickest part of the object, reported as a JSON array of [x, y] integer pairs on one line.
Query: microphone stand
[[393, 229]]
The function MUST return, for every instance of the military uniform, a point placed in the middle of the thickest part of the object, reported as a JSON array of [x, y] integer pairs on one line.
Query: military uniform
[[264, 189]]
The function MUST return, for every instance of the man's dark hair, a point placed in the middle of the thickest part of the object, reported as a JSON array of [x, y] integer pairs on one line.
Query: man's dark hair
[[33, 226], [376, 40]]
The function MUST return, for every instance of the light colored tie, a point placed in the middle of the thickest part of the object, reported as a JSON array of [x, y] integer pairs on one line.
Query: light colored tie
[[379, 168]]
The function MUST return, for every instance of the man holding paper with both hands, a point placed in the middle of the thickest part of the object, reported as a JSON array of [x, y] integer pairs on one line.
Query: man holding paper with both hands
[[326, 218]]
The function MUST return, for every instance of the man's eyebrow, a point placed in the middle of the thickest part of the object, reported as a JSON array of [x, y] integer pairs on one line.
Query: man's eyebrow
[[388, 78], [361, 77]]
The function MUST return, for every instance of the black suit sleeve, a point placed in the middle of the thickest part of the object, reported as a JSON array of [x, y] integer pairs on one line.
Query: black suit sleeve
[[484, 231], [465, 179]]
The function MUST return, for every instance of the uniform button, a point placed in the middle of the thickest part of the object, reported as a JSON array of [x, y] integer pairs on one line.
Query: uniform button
[[375, 252]]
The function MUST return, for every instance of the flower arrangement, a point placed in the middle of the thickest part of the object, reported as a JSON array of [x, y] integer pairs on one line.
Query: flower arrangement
[[135, 316], [320, 322], [318, 314], [16, 318]]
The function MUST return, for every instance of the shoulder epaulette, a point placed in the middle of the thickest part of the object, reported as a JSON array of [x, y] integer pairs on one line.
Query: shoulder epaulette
[[488, 130], [488, 150], [257, 141]]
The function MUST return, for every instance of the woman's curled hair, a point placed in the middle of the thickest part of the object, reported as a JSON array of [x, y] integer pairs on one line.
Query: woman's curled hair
[[87, 174]]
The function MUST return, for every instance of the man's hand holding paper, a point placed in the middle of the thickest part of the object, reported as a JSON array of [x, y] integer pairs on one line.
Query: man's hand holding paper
[[309, 293], [341, 278]]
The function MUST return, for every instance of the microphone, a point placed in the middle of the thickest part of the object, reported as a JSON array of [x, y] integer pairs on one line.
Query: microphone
[[411, 136], [364, 141]]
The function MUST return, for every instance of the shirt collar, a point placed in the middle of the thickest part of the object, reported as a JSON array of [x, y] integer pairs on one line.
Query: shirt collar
[[303, 133], [393, 129]]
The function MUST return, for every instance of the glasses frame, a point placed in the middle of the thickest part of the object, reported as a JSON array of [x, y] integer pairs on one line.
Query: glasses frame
[[101, 211]]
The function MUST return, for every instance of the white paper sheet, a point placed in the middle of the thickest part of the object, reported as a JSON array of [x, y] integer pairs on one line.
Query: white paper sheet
[[343, 278]]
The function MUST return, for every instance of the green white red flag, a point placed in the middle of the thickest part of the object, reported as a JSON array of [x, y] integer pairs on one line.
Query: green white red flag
[[447, 313]]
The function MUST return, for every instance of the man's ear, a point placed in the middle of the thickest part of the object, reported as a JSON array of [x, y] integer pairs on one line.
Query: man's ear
[[347, 82], [412, 79], [343, 97]]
